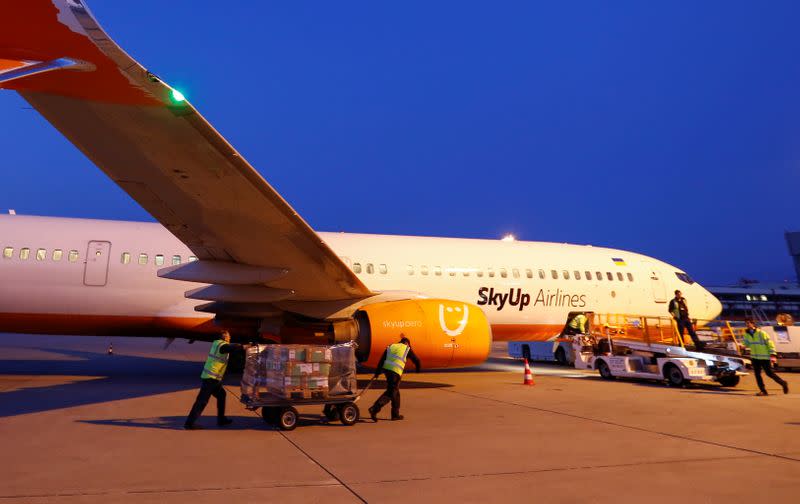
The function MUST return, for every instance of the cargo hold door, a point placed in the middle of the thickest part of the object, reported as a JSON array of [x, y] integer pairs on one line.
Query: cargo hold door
[[96, 272]]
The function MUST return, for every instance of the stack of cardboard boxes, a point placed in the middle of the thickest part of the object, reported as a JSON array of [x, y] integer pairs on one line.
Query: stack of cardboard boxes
[[298, 372]]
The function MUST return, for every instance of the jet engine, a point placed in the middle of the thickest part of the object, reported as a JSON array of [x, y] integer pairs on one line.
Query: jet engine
[[443, 333]]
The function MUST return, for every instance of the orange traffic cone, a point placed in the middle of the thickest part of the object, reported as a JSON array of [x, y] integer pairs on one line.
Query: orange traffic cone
[[528, 375]]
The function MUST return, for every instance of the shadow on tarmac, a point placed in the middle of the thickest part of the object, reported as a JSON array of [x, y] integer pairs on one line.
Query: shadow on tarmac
[[111, 378], [207, 423]]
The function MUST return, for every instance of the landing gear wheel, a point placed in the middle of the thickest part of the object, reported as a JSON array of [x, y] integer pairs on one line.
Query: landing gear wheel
[[331, 412], [561, 356], [674, 376], [605, 371], [729, 381], [269, 414], [287, 420], [348, 413]]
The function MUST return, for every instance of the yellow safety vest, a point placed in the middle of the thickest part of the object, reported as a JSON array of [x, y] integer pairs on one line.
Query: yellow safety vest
[[396, 354], [216, 363], [761, 347], [579, 322]]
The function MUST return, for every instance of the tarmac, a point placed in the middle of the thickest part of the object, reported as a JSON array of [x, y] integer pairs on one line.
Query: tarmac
[[78, 425]]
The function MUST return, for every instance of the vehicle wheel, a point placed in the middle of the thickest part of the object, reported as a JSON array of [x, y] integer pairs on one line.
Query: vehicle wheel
[[729, 381], [348, 413], [331, 412], [673, 375], [526, 352], [605, 371], [269, 414], [287, 420], [561, 356]]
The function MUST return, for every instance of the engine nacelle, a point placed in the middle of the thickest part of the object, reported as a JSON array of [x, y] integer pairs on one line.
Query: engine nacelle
[[443, 333]]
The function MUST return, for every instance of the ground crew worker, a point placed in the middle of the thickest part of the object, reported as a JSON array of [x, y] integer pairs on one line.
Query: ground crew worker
[[213, 372], [392, 363], [680, 312], [577, 325], [762, 355]]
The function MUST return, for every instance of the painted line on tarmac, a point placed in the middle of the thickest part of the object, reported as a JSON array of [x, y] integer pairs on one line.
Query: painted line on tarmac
[[632, 427], [312, 459]]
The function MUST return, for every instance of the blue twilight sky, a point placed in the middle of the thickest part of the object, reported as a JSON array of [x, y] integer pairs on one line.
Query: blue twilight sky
[[668, 128]]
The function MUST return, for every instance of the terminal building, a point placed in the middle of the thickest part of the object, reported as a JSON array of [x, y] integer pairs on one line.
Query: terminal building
[[739, 301]]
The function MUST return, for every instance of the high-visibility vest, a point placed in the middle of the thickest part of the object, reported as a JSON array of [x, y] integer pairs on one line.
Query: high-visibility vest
[[579, 322], [216, 363], [761, 347], [396, 354]]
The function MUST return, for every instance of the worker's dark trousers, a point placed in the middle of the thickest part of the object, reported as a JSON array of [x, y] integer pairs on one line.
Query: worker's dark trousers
[[687, 324], [392, 393], [766, 365], [209, 387]]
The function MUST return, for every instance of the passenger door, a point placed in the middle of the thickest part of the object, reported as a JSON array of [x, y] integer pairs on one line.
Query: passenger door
[[657, 285], [96, 271]]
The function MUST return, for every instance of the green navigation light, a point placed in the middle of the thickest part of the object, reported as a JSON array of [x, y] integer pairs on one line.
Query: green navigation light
[[177, 96]]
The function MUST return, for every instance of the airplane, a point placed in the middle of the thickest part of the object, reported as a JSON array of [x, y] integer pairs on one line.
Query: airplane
[[229, 251]]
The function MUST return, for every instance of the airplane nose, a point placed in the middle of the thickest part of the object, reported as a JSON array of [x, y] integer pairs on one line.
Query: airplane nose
[[713, 306]]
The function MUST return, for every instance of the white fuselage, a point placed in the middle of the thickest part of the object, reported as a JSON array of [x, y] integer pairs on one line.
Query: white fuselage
[[108, 284]]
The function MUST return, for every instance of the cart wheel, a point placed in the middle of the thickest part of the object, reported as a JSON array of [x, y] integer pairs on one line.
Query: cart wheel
[[561, 357], [605, 371], [269, 414], [330, 412], [729, 381], [673, 375], [287, 420], [348, 413]]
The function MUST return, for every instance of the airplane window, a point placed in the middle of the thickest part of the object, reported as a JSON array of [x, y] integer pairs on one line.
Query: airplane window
[[541, 274], [41, 254], [410, 269], [630, 277], [609, 275], [490, 272], [192, 259], [576, 274], [57, 253], [479, 272], [515, 273], [176, 260], [503, 272], [465, 272], [126, 258], [566, 274], [356, 267], [142, 259], [8, 252], [598, 275], [529, 273], [24, 253], [451, 271], [423, 270], [73, 256], [370, 268], [620, 277], [437, 270], [683, 277], [554, 274], [159, 259], [382, 269], [588, 275]]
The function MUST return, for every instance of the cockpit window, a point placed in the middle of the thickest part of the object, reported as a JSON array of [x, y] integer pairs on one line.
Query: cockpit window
[[683, 277]]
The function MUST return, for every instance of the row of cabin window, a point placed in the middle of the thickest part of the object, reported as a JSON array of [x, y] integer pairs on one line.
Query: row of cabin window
[[503, 272], [41, 254], [158, 260]]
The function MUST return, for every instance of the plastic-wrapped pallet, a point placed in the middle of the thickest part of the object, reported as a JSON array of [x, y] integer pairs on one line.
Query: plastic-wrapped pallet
[[298, 372]]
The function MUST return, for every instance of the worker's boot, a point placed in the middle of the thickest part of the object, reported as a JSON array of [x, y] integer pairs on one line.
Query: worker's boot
[[762, 393], [222, 422], [192, 427], [397, 417], [785, 388], [373, 413]]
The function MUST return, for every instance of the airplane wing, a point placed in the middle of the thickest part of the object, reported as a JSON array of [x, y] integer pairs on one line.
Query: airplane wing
[[158, 148]]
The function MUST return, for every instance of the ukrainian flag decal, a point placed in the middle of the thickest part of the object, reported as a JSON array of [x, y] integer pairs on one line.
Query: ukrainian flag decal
[[618, 261]]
